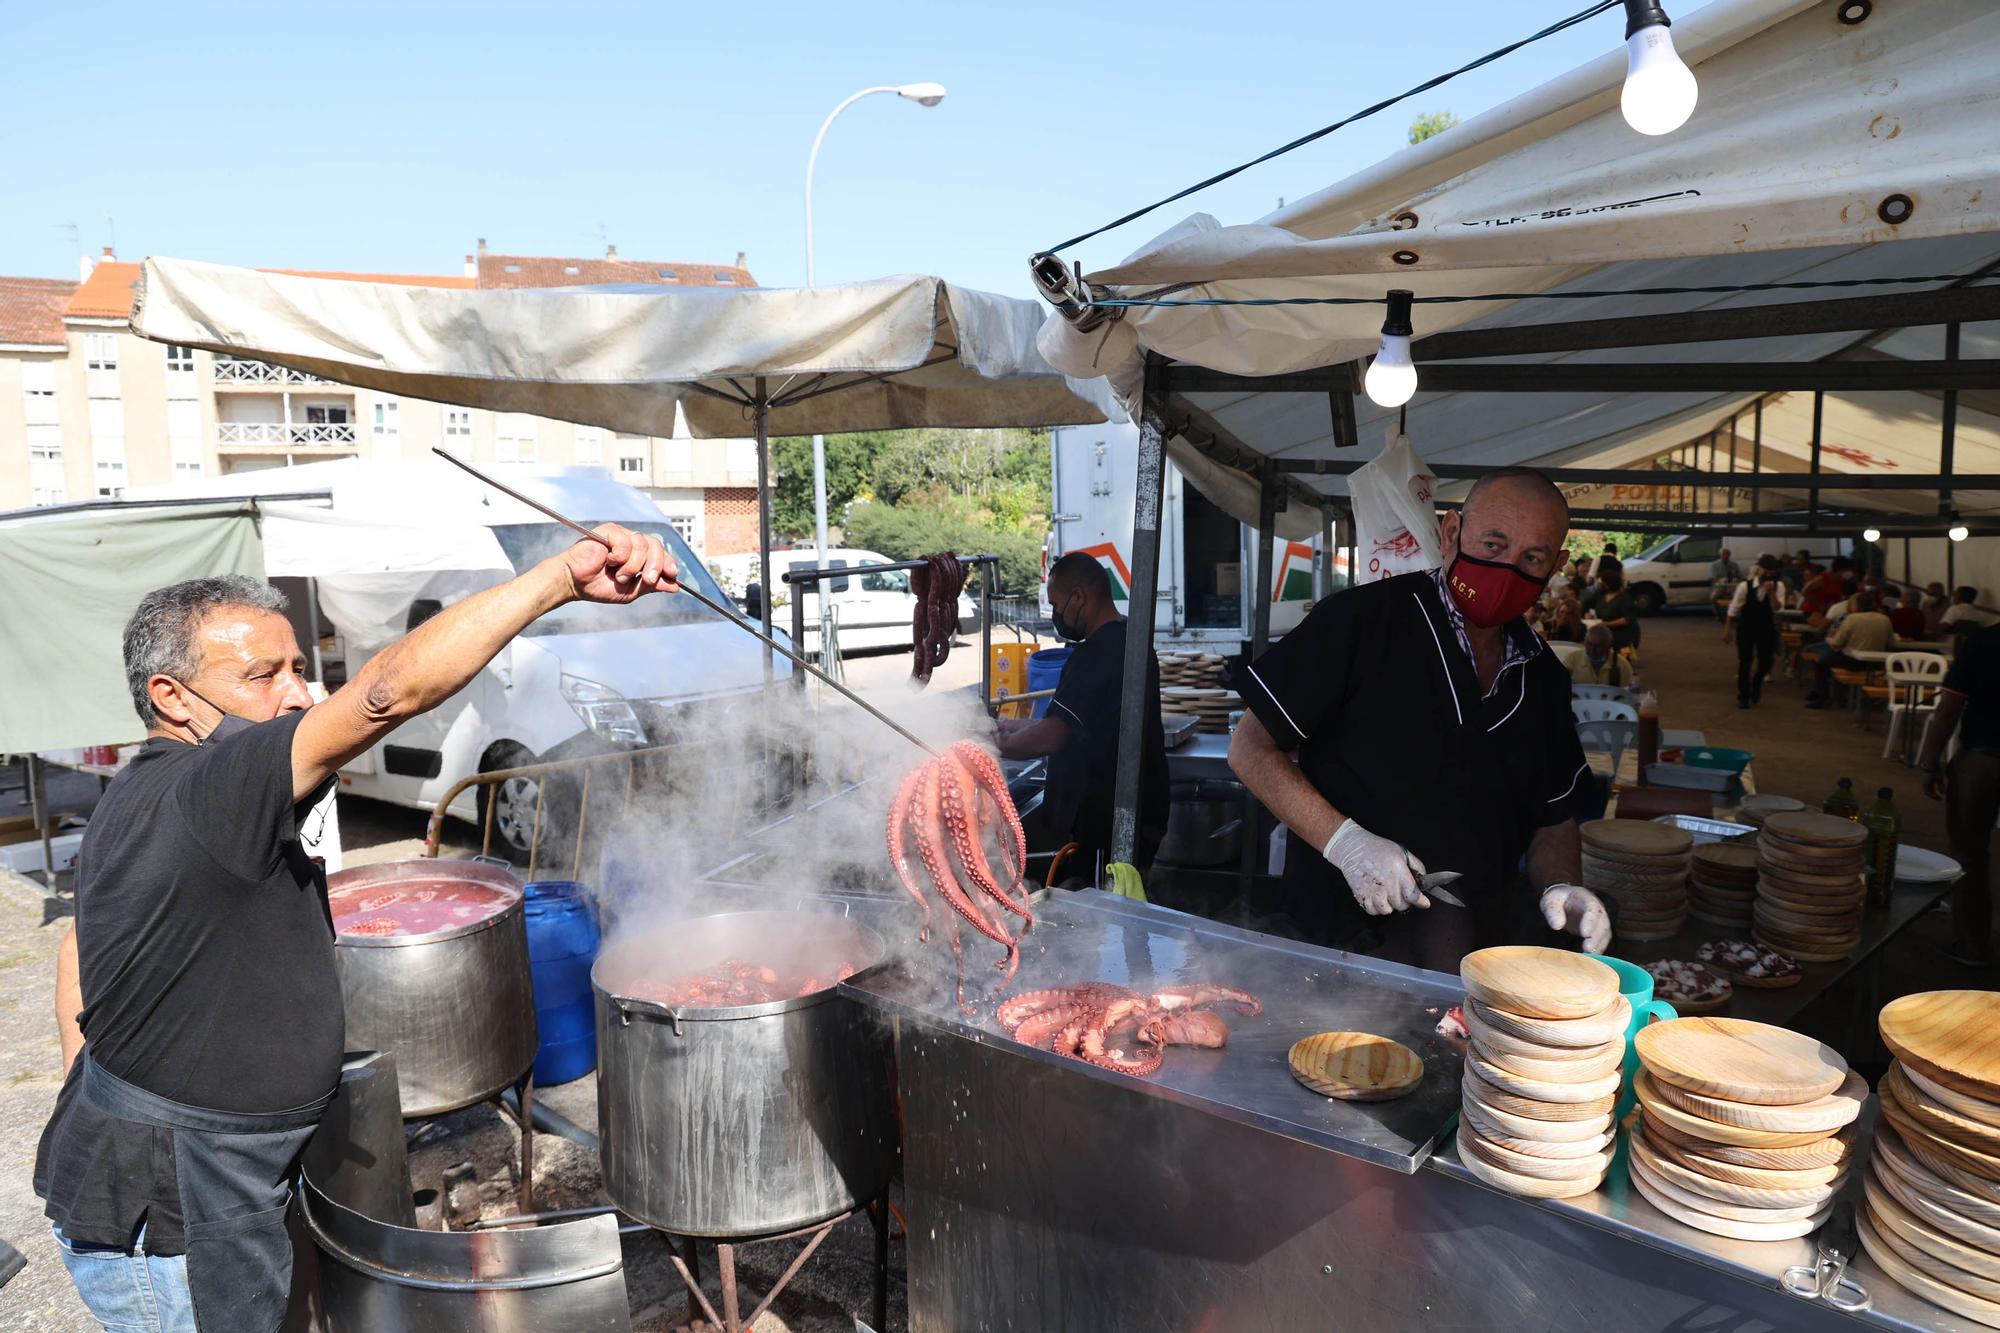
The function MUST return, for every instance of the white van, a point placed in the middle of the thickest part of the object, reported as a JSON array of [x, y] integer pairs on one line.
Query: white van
[[871, 610], [1675, 570]]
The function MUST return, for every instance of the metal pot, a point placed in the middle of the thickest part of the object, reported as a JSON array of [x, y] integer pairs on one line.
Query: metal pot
[[1204, 824], [742, 1121], [455, 1007]]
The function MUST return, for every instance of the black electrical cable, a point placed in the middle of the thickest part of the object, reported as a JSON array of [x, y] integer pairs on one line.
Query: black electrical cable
[[1363, 114], [1716, 290]]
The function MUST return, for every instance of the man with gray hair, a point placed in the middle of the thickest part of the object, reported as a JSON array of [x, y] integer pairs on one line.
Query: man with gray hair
[[201, 973]]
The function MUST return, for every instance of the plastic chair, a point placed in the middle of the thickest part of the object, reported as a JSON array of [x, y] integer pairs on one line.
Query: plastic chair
[[1915, 681], [1614, 693], [1609, 736], [1603, 710]]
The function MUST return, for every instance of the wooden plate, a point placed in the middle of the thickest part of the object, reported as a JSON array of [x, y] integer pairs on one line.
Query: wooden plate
[[1941, 1216], [1838, 882], [1937, 1293], [1728, 920], [1591, 1070], [1780, 919], [1836, 1110], [1495, 1042], [1972, 1108], [1540, 1090], [1811, 1198], [1740, 1061], [1941, 1120], [1834, 1150], [1754, 1177], [1636, 837], [1726, 857], [1529, 1187], [1914, 1131], [1972, 1284], [1735, 1212], [1803, 953], [1947, 1035], [1650, 1189], [1607, 1025], [1531, 1107], [1522, 1164], [1848, 905], [1355, 1066], [1538, 983], [1517, 1128], [1815, 830], [1710, 1131], [1964, 1195], [1915, 1231], [1491, 1129]]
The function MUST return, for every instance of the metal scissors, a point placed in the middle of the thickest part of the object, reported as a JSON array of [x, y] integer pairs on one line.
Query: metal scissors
[[1434, 888]]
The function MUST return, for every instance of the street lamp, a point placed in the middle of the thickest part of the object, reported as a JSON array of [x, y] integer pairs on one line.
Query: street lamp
[[923, 94]]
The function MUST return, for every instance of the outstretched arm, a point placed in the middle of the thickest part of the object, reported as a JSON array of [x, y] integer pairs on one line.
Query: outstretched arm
[[69, 999]]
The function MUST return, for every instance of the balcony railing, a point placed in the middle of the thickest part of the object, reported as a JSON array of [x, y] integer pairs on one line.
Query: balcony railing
[[260, 372], [283, 434]]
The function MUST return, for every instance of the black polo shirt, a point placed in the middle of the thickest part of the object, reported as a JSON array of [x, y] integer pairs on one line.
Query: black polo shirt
[[206, 954], [1083, 773], [1383, 708], [1975, 673]]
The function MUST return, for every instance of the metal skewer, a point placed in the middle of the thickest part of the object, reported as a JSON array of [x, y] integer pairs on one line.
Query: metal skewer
[[726, 613]]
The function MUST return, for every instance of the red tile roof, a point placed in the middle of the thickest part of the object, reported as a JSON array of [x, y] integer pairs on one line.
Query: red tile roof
[[549, 271], [393, 279], [31, 310], [106, 293]]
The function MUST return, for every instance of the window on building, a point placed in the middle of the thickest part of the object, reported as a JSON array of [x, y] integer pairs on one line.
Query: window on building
[[457, 423], [388, 420], [326, 414], [100, 351], [180, 358], [38, 392], [684, 525], [668, 275], [48, 495], [514, 438], [44, 443], [111, 477], [589, 446], [627, 463], [725, 279]]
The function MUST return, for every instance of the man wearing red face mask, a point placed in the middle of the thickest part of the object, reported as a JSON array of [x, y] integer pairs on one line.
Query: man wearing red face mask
[[1418, 724]]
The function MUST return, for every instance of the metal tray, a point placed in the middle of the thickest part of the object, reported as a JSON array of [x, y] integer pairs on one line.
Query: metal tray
[[1707, 830]]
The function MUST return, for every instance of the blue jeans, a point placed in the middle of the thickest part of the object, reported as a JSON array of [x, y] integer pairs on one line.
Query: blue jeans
[[130, 1289]]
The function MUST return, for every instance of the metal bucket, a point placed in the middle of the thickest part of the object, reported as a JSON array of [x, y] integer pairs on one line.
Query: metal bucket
[[455, 1007], [742, 1121], [1204, 825]]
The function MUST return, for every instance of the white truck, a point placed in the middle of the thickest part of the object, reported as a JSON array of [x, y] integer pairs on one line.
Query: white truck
[[1676, 571], [1207, 558]]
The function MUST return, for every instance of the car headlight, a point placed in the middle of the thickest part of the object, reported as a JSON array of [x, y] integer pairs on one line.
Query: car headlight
[[604, 710]]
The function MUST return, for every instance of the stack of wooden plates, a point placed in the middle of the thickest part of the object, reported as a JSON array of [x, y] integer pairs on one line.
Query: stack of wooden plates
[[1810, 889], [1756, 809], [1741, 1126], [1195, 669], [1933, 1188], [1641, 869], [1209, 707], [1722, 884], [1542, 1073]]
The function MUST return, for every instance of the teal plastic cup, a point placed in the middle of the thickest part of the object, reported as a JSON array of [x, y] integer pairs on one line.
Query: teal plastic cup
[[1635, 983]]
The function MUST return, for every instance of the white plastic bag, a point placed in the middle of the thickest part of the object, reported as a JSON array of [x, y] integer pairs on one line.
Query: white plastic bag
[[1395, 522]]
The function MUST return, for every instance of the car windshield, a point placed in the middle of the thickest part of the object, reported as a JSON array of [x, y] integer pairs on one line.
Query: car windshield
[[1653, 552], [528, 544]]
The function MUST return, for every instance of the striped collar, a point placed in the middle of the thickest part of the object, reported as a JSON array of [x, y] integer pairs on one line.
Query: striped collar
[[1521, 644]]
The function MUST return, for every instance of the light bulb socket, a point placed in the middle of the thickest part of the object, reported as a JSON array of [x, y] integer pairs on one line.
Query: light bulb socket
[[1397, 323], [1644, 14]]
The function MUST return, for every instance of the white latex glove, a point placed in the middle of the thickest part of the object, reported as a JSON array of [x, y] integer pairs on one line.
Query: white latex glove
[[1573, 908], [1382, 876]]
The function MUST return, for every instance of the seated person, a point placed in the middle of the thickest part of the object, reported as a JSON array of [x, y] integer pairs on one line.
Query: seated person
[[1904, 613], [1565, 623], [1597, 664], [1864, 630], [1964, 616], [1825, 591], [1935, 602], [1615, 610]]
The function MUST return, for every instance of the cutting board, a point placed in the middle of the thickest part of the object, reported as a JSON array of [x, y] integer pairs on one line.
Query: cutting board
[[1584, 1070], [1957, 1154], [1948, 1036], [1356, 1066], [1755, 1177], [1495, 1042], [1921, 1234], [1836, 1110], [1740, 1061], [1811, 1197], [1519, 1127], [1528, 1187], [1539, 1090], [1938, 1293], [1649, 1188], [1530, 1107], [1972, 1108], [1940, 1119], [1538, 983], [1834, 1150], [1711, 1131], [1490, 1129], [1605, 1026]]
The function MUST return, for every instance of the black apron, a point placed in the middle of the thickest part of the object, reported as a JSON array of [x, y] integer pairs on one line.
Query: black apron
[[1756, 622], [235, 1170]]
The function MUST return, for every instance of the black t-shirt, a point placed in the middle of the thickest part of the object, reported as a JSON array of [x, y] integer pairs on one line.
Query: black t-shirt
[[1382, 706], [1083, 773], [1975, 673], [206, 955]]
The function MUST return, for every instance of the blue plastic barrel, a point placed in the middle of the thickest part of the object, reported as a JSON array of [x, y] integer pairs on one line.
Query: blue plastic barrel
[[562, 944], [1045, 668]]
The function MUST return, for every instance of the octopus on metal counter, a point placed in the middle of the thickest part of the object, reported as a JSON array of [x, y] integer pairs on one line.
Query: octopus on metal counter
[[1126, 1030]]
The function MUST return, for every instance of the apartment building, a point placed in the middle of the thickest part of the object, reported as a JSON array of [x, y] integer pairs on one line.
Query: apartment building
[[89, 410]]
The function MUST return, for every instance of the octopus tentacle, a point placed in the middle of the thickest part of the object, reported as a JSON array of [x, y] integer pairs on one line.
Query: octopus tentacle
[[1200, 1027], [1199, 994], [985, 770], [899, 856], [930, 848], [1012, 1013], [956, 806]]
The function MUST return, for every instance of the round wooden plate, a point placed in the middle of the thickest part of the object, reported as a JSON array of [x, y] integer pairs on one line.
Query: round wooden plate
[[1531, 1107], [1942, 1216], [1964, 1195], [1494, 1042], [1938, 1293], [1695, 1127], [1848, 906], [1774, 915], [1492, 1130], [1915, 1131], [1921, 1234], [1538, 983], [1528, 1187], [1540, 1090], [1740, 1061], [1811, 1198], [1815, 830], [1607, 1025], [1828, 883], [1726, 857], [1636, 836], [1939, 1119], [1972, 1284], [1522, 1164], [1836, 1110], [1754, 1177], [1947, 1035], [1726, 918], [1552, 1071], [1702, 1203], [1972, 1108], [1810, 953], [1519, 1127], [1355, 1066], [1835, 1150], [1650, 1189]]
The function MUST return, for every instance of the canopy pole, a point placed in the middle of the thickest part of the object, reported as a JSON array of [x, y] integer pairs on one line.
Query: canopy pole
[[1732, 462], [1757, 453], [762, 410], [1323, 585], [1133, 699], [1267, 519], [1948, 439], [1812, 503]]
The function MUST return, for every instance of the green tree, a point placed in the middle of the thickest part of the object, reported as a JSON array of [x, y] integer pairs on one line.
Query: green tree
[[920, 526], [850, 466], [1431, 124]]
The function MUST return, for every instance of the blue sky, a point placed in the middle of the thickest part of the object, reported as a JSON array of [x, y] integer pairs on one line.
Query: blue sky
[[381, 137]]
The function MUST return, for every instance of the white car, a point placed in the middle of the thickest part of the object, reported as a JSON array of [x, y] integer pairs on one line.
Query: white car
[[1675, 571], [871, 610]]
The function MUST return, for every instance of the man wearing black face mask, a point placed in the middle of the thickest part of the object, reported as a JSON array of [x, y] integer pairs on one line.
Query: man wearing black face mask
[[1079, 732], [202, 979], [1418, 724]]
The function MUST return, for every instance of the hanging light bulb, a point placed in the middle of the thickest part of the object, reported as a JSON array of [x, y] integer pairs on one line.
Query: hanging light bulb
[[1958, 532], [1392, 376], [1871, 535], [1660, 90]]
